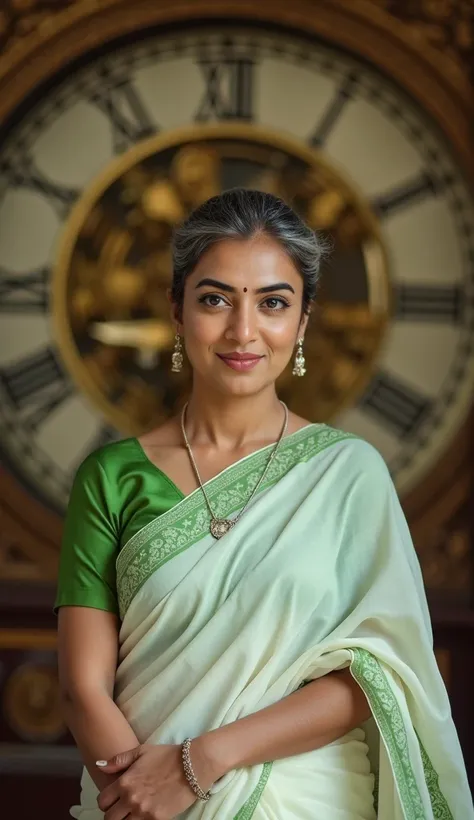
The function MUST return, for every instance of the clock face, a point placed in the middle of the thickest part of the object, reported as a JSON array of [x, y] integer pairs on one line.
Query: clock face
[[98, 171]]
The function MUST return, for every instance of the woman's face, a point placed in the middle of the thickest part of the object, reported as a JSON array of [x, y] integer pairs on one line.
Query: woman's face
[[242, 314]]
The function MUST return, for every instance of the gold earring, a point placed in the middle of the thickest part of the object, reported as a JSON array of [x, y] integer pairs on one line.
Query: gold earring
[[299, 368], [177, 357]]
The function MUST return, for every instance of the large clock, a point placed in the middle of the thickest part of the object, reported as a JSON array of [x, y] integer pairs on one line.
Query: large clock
[[98, 167]]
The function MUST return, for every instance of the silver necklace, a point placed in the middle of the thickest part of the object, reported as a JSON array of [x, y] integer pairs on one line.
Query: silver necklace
[[220, 526]]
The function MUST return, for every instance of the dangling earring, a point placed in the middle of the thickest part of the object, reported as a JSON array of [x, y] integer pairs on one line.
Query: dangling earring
[[299, 368], [177, 357]]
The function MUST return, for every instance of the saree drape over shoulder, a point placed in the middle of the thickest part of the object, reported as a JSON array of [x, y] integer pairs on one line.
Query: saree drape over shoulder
[[318, 574]]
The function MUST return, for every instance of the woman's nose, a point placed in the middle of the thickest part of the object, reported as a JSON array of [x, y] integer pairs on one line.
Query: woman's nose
[[242, 325]]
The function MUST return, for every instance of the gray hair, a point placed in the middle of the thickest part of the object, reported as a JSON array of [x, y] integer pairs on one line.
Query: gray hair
[[240, 213]]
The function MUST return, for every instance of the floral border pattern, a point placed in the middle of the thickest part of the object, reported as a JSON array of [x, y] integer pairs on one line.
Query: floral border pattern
[[188, 521], [247, 810], [368, 673]]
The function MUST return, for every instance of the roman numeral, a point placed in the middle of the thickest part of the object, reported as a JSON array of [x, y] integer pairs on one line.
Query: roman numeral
[[395, 404], [333, 111], [229, 89], [413, 190], [128, 117], [36, 385], [20, 172], [430, 303], [24, 294]]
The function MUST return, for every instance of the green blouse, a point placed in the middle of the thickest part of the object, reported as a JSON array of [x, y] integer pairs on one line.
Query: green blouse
[[117, 490]]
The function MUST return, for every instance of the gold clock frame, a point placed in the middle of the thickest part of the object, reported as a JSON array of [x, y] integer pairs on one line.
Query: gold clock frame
[[54, 38]]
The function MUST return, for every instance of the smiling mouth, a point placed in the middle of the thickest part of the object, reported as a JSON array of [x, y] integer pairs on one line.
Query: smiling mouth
[[240, 362]]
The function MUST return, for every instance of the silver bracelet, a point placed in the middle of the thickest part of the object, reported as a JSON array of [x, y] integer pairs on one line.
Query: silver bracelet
[[189, 773]]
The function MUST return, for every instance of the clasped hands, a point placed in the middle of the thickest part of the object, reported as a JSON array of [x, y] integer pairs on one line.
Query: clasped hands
[[153, 785]]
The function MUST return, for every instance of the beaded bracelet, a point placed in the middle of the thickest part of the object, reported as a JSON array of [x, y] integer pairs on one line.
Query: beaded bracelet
[[189, 773]]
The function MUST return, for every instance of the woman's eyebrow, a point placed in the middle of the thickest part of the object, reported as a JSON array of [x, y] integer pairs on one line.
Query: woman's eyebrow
[[214, 283], [277, 286]]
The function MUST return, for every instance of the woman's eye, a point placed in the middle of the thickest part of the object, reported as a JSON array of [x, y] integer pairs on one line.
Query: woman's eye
[[212, 300], [275, 303]]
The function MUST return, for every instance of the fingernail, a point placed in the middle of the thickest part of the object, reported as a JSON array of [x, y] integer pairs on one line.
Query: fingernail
[[101, 763]]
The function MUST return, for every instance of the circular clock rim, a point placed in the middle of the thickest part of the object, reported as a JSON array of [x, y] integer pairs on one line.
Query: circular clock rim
[[124, 162], [356, 25], [438, 84]]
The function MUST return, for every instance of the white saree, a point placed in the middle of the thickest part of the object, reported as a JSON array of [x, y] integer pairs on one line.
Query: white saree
[[318, 574]]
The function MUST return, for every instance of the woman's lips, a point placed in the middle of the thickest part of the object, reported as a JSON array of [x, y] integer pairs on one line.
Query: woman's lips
[[241, 364]]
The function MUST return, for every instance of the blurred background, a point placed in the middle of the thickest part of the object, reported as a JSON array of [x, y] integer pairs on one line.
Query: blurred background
[[117, 118]]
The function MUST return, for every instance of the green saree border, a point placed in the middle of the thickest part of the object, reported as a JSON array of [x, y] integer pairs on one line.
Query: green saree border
[[438, 800], [188, 521], [247, 810], [370, 676]]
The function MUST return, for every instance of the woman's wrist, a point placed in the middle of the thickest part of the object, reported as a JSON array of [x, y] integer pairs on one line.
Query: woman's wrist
[[210, 758]]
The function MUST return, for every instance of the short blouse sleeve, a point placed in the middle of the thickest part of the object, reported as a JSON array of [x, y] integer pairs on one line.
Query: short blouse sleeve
[[90, 542]]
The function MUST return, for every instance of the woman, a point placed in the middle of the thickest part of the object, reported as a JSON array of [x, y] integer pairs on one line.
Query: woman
[[245, 580]]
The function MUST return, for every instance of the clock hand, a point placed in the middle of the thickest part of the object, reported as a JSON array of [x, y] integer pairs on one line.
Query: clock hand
[[145, 334]]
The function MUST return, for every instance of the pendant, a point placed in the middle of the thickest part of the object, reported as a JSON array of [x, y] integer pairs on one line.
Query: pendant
[[219, 527]]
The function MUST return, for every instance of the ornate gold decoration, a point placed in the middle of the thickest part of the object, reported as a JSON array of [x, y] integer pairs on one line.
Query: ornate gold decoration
[[19, 18], [299, 366], [177, 358], [366, 27], [113, 270], [32, 703], [447, 25]]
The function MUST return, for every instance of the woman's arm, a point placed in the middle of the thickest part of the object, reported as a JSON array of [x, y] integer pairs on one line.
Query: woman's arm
[[87, 657], [317, 714], [313, 716]]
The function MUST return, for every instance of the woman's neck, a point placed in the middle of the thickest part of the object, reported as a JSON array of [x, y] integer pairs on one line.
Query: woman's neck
[[231, 422]]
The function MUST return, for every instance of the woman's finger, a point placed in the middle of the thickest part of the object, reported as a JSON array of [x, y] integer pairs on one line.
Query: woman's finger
[[119, 811]]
